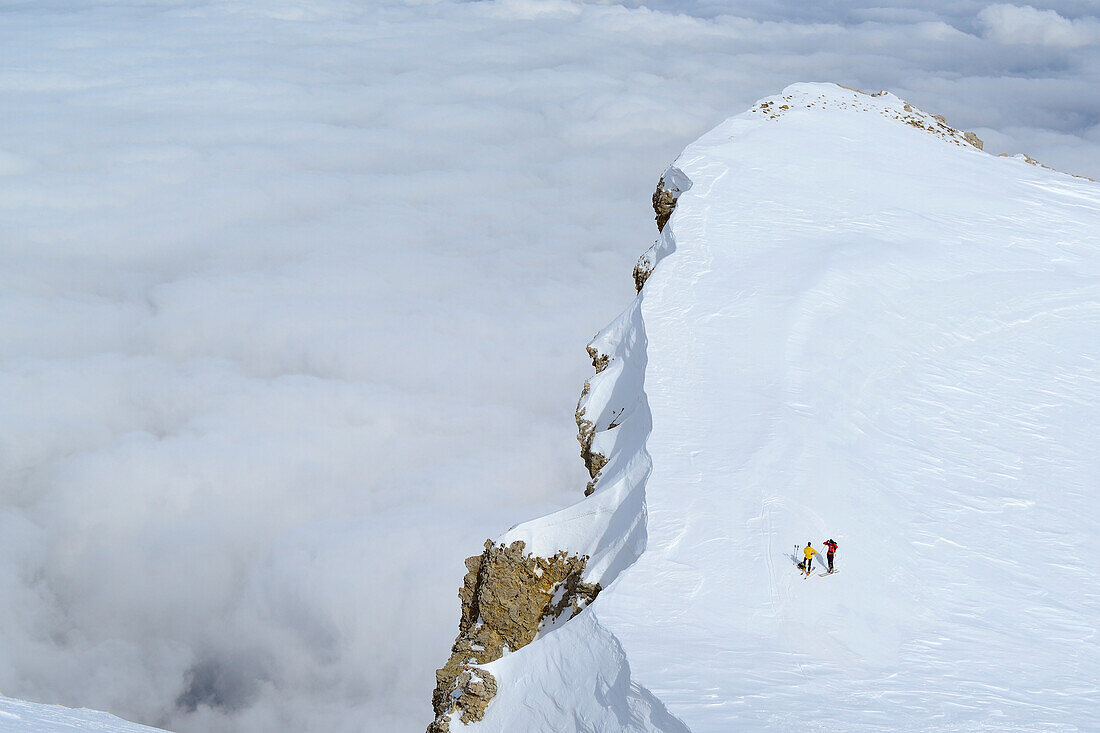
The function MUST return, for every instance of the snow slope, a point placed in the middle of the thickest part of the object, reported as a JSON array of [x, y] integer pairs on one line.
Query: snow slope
[[860, 327], [18, 716]]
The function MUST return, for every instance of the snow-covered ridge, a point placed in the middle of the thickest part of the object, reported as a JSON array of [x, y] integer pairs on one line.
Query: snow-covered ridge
[[813, 96], [606, 530], [604, 533], [855, 324], [19, 716]]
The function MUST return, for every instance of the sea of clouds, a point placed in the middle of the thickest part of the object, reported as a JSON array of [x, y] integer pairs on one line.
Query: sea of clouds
[[294, 295]]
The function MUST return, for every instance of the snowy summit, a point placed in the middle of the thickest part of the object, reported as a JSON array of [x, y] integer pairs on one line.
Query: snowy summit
[[855, 325]]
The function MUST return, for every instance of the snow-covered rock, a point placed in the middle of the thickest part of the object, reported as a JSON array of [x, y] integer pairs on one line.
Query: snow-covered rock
[[855, 324], [19, 716]]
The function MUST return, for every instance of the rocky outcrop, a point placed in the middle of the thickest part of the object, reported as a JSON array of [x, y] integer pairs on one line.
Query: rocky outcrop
[[599, 361], [664, 198], [664, 203], [586, 433], [468, 693], [910, 115], [642, 270], [507, 597], [974, 140]]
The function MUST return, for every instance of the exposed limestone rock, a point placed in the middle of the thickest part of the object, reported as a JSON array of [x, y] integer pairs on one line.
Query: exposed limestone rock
[[643, 269], [475, 688], [664, 202], [506, 597], [974, 140], [595, 462], [910, 115], [586, 429], [586, 433], [599, 361]]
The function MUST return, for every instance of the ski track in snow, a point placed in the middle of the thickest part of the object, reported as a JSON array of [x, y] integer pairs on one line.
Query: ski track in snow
[[870, 333]]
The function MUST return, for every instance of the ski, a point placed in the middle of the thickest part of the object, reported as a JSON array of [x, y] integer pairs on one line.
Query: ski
[[822, 575]]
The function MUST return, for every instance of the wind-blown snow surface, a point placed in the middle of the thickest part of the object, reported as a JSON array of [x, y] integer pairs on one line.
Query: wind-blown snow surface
[[865, 331], [18, 716]]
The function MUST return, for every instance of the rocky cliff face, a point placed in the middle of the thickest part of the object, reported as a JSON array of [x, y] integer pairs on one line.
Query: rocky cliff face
[[594, 461], [664, 202], [510, 596], [507, 598], [669, 188]]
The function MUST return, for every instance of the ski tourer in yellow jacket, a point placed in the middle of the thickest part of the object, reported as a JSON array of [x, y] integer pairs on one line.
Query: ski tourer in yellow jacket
[[809, 552]]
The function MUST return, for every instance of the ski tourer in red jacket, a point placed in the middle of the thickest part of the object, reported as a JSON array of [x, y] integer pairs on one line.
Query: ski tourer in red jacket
[[829, 555]]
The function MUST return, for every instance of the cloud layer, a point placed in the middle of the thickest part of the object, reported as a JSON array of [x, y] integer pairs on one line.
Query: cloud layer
[[295, 296], [1026, 25]]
